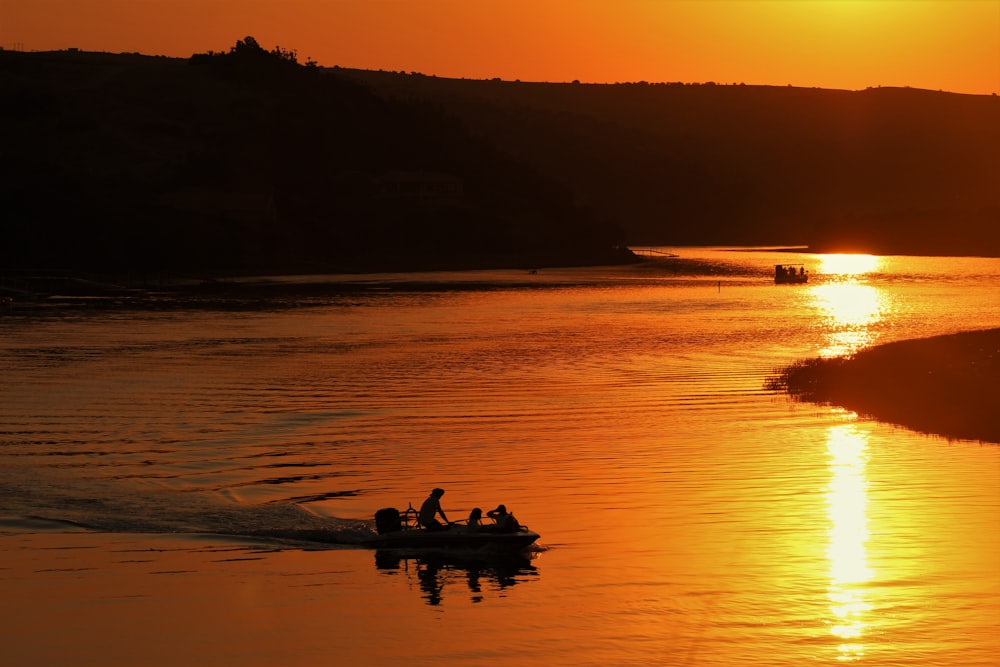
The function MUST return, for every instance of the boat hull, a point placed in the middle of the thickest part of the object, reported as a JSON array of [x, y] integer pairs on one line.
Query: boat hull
[[453, 538]]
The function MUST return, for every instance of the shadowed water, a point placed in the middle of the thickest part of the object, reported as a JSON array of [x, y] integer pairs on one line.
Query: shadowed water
[[688, 515]]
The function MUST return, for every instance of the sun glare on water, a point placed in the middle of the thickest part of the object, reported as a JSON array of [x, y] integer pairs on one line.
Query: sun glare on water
[[852, 309], [849, 265], [851, 306], [847, 502]]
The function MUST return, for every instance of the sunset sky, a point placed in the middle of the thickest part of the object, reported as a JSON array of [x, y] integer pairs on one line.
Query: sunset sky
[[949, 45]]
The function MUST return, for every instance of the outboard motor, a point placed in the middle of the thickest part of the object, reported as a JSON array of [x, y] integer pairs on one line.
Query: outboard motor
[[387, 521]]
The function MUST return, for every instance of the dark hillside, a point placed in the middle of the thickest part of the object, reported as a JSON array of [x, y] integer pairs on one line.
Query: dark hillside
[[884, 170], [249, 161]]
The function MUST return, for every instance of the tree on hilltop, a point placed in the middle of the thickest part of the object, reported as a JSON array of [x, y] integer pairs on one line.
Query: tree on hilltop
[[249, 47], [246, 46], [248, 52]]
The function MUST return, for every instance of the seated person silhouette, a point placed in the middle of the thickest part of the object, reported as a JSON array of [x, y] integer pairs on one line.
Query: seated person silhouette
[[429, 510], [475, 518], [505, 521]]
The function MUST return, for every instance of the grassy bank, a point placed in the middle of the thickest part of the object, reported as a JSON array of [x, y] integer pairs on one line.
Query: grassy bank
[[945, 385]]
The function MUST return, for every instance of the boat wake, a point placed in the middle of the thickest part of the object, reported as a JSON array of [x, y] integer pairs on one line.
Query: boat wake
[[94, 506]]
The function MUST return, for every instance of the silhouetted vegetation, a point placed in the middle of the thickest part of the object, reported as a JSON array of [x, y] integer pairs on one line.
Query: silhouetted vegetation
[[944, 385]]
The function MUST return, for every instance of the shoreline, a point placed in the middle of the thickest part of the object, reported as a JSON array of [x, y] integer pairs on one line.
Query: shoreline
[[943, 385]]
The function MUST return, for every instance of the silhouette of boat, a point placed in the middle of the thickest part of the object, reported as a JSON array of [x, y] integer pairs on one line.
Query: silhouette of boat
[[401, 531], [790, 274]]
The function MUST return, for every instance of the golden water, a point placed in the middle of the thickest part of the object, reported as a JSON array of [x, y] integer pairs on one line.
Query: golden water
[[688, 516]]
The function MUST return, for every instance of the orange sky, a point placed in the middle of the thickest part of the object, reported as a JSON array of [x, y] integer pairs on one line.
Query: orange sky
[[936, 44]]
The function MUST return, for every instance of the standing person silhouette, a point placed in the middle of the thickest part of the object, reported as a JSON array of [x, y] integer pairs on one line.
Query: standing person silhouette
[[429, 511]]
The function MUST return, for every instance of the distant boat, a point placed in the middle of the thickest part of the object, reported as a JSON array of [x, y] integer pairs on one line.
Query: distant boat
[[790, 274]]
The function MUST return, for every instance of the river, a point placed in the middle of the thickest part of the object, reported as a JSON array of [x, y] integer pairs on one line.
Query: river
[[156, 462]]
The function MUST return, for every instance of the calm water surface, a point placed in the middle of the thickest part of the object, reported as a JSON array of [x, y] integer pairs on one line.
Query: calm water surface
[[688, 516]]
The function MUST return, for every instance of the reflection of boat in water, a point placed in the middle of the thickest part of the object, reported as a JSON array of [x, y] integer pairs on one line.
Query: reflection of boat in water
[[790, 274], [401, 531], [435, 570]]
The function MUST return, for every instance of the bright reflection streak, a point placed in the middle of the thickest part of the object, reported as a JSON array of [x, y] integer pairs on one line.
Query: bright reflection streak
[[847, 501], [852, 309], [850, 306], [849, 265]]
